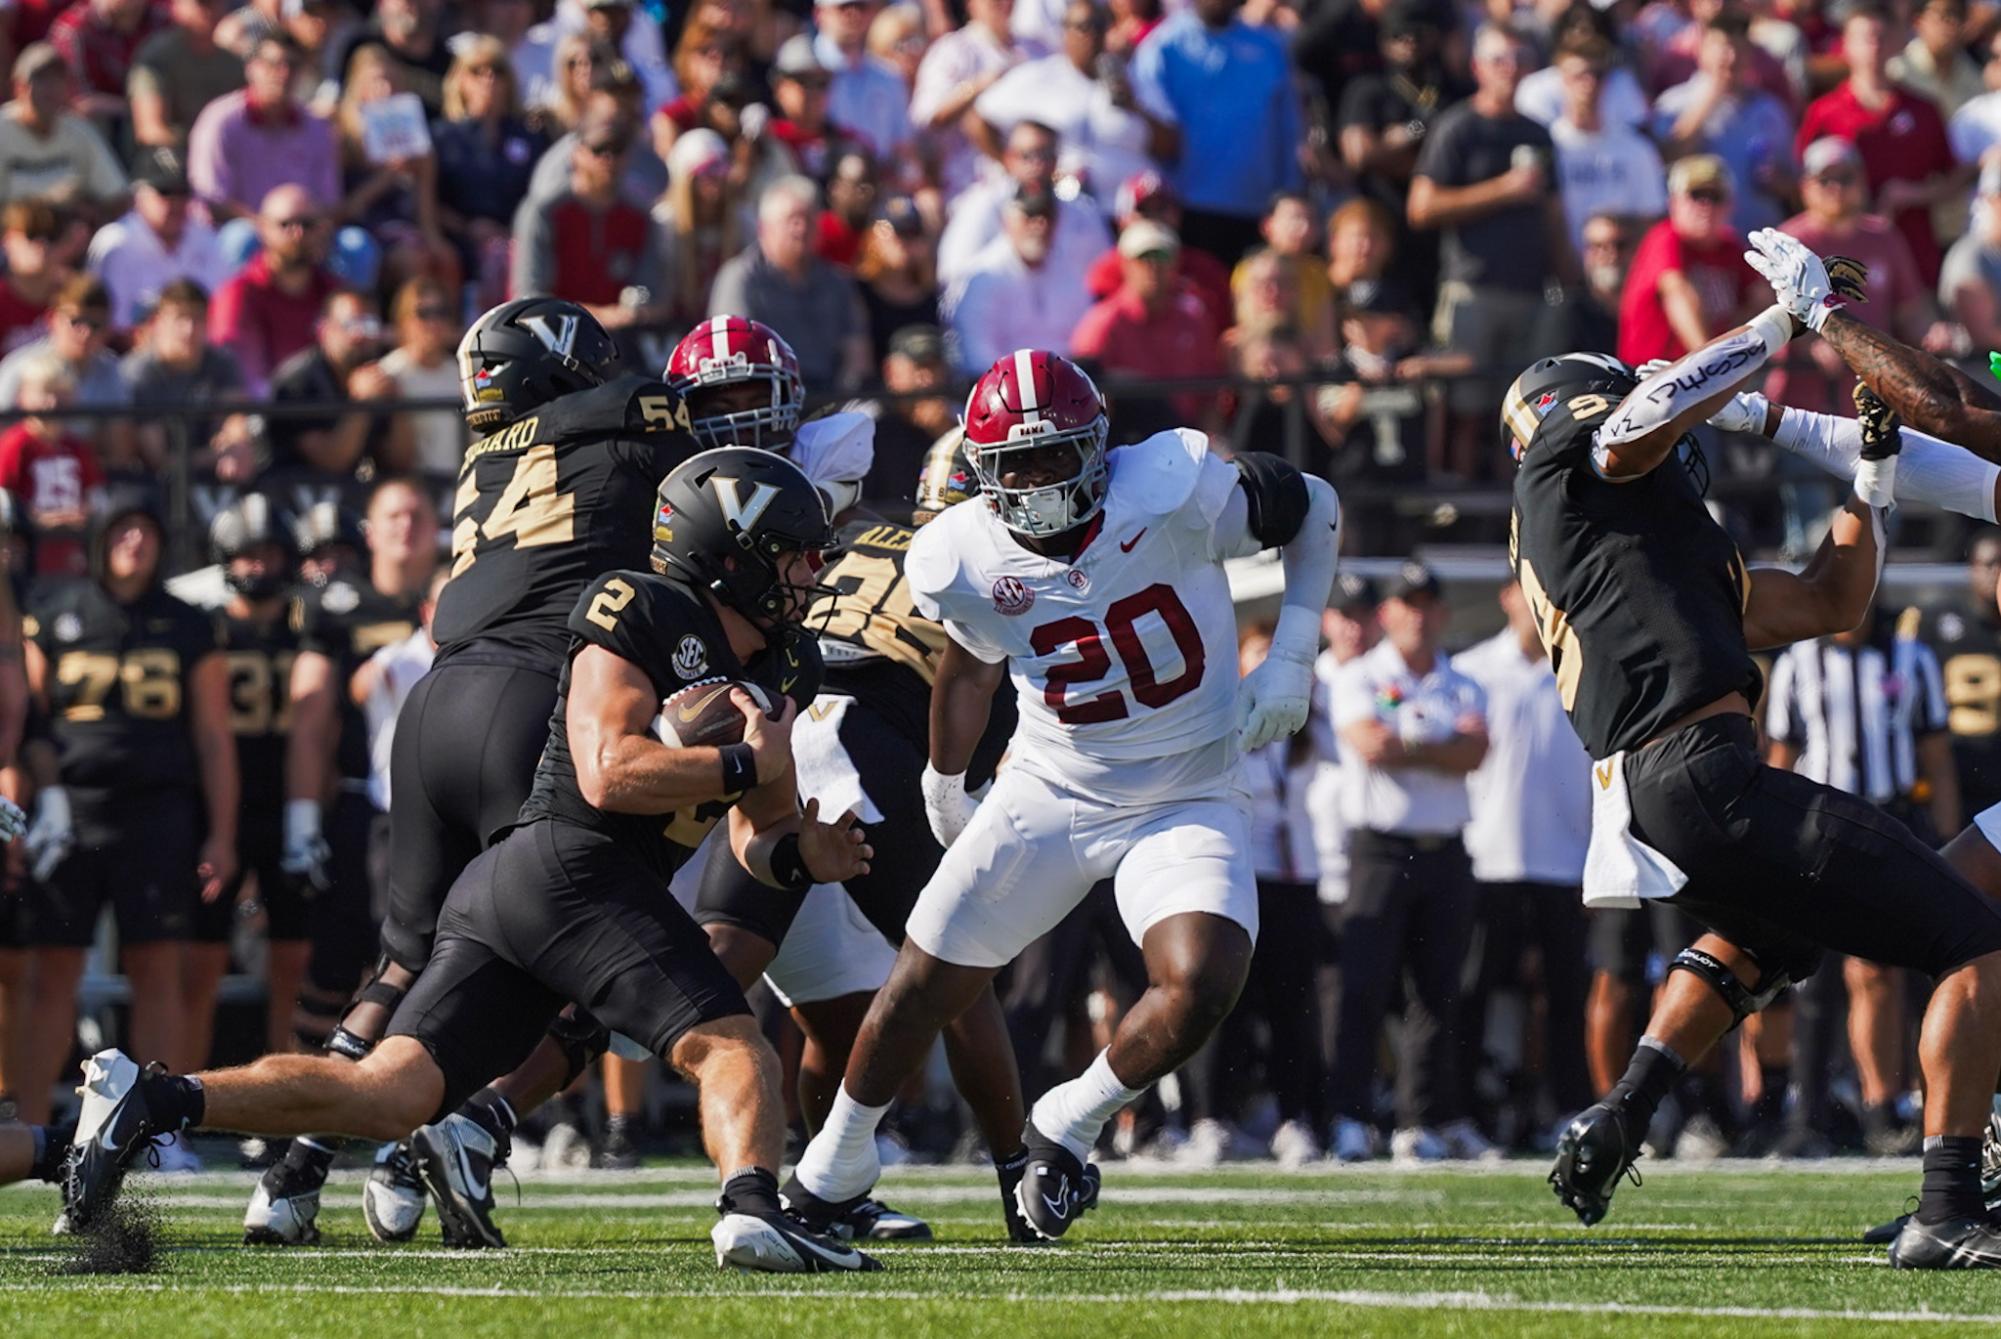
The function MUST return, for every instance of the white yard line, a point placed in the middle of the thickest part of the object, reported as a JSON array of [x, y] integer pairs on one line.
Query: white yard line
[[1357, 1298]]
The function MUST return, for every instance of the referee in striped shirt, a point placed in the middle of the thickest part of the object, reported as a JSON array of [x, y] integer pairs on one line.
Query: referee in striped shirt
[[1865, 712]]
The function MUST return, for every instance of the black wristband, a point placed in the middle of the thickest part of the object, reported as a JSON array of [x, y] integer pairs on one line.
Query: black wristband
[[788, 867], [739, 768]]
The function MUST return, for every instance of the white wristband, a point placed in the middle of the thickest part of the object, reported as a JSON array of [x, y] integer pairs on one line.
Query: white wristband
[[302, 821], [1876, 482], [1773, 327]]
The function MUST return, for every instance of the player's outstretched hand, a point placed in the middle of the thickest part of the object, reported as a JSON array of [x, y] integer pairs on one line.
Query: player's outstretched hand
[[946, 804], [1799, 281], [833, 851], [770, 738], [13, 820], [1272, 700], [1882, 430]]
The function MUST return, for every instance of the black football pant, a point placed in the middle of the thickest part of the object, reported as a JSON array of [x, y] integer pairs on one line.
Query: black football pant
[[1408, 921], [460, 768]]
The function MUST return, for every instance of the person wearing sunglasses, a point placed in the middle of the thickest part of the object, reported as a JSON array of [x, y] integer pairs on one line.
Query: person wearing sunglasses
[[1688, 280], [78, 331]]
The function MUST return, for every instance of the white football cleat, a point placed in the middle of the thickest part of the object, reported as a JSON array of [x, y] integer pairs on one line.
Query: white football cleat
[[393, 1199], [1417, 1143], [175, 1157], [1294, 1146], [780, 1244], [281, 1215]]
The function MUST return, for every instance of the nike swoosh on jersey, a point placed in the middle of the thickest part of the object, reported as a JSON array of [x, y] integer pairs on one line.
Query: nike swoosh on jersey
[[1126, 546]]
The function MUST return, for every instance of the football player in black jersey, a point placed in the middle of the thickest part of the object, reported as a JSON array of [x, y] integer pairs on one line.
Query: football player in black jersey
[[559, 488], [252, 544], [136, 695], [1650, 617], [881, 656], [572, 902], [354, 610]]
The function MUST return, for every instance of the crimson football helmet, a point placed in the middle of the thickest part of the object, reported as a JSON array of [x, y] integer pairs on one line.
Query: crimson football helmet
[[724, 353], [1029, 403]]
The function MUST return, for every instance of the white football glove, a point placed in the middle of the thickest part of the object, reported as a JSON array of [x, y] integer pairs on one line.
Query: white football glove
[[51, 835], [305, 855], [946, 804], [1797, 276], [1742, 412], [1272, 700]]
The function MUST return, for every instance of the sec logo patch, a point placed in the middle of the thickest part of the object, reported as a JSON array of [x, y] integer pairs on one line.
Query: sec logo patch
[[1011, 597], [691, 657]]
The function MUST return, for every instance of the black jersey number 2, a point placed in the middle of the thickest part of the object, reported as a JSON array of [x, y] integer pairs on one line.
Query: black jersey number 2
[[529, 510], [1094, 662]]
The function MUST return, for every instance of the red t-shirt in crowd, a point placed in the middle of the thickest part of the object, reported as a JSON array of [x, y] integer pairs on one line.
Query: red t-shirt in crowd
[[262, 324], [51, 476], [1799, 379], [1722, 283], [599, 252], [1180, 342], [836, 242], [20, 319], [1903, 140], [1204, 275]]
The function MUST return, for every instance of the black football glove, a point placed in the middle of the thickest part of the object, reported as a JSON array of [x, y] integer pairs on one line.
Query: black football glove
[[1847, 276], [1882, 430]]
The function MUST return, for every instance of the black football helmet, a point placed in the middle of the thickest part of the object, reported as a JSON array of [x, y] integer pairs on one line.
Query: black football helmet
[[948, 477], [120, 501], [1548, 382], [249, 523], [326, 525], [724, 520], [523, 354]]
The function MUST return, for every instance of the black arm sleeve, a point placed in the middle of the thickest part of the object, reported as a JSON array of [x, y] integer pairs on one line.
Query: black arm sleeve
[[1277, 494]]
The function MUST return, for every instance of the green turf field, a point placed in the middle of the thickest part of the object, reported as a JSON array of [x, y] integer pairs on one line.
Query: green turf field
[[1743, 1249]]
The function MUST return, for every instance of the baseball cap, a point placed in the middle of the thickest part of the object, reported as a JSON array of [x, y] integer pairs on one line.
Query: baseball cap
[[921, 343], [1697, 171], [697, 151], [162, 169], [797, 56], [1404, 17], [1141, 190], [1827, 153], [1354, 594], [1414, 578], [1144, 236]]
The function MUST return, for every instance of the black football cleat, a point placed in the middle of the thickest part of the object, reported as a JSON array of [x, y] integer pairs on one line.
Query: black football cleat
[[1591, 1155], [1957, 1243], [1010, 1174], [108, 1138], [457, 1159], [285, 1208], [784, 1242], [818, 1215], [1884, 1233], [1056, 1187], [872, 1220]]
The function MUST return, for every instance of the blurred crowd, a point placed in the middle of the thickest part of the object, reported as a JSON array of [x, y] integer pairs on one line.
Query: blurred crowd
[[240, 240]]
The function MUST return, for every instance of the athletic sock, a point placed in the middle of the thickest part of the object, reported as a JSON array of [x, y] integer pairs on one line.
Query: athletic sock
[[752, 1190], [176, 1101], [1951, 1186], [1074, 1113], [492, 1113], [1648, 1079], [841, 1161]]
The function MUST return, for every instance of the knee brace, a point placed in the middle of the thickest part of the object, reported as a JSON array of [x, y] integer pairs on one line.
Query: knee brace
[[1743, 1001], [348, 1044], [581, 1038]]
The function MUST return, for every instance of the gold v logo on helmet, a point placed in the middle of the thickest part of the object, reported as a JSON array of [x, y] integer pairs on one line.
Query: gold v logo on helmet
[[558, 333], [741, 515]]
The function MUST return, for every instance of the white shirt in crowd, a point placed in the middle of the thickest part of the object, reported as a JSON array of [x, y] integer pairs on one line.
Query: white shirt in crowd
[[1323, 791], [1407, 801], [1280, 779], [1108, 142], [1001, 305], [1531, 795], [957, 58], [399, 665], [440, 434], [1622, 101], [1080, 236], [1612, 170], [867, 98], [135, 264]]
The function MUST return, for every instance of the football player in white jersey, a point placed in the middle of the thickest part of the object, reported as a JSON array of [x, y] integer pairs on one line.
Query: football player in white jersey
[[1096, 580]]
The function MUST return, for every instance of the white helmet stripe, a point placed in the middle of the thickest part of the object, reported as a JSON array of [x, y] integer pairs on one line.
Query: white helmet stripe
[[719, 338], [1024, 376]]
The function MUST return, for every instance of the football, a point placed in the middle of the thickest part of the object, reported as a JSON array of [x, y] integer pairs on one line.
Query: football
[[702, 715]]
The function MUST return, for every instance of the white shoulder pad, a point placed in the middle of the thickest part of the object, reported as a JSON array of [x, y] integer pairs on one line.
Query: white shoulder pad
[[839, 448], [1170, 470], [935, 566]]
